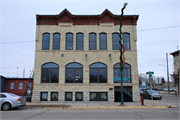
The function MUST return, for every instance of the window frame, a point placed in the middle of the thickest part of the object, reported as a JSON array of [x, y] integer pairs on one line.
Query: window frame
[[93, 41], [114, 41], [43, 40], [41, 96], [71, 96], [98, 96], [100, 41], [80, 41], [127, 41], [49, 81], [98, 82], [76, 96], [123, 73], [56, 98], [74, 68], [56, 41], [13, 85], [20, 86], [69, 41]]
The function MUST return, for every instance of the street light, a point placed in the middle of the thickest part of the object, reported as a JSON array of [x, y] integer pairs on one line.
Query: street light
[[121, 49], [167, 70]]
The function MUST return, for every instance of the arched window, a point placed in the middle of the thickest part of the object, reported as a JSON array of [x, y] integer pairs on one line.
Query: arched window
[[56, 41], [46, 39], [92, 41], [126, 41], [115, 37], [74, 73], [98, 73], [69, 41], [103, 41], [49, 73], [126, 73], [79, 41]]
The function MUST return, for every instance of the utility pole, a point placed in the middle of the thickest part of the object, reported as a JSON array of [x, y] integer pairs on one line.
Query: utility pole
[[17, 72], [23, 73], [167, 71]]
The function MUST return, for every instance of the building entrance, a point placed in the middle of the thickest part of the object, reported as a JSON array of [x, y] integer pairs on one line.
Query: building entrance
[[127, 93]]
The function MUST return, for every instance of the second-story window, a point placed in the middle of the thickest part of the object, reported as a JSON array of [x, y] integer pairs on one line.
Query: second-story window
[[103, 41], [79, 41], [92, 41], [20, 85], [69, 41], [115, 37], [56, 41], [126, 41], [46, 39]]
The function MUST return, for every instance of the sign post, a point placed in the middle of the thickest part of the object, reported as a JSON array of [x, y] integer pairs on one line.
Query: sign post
[[150, 81]]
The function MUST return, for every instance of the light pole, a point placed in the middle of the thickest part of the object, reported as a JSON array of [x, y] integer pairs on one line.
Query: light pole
[[167, 70], [17, 72], [122, 50]]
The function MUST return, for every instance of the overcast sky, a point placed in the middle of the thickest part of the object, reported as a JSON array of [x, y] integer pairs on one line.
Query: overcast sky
[[158, 30]]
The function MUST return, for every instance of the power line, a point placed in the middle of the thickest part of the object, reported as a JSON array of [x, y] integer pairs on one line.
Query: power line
[[76, 37]]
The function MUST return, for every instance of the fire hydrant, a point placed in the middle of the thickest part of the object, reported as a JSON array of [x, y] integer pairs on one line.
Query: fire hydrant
[[142, 100]]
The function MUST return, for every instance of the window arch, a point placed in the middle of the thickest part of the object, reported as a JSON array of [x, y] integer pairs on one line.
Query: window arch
[[103, 41], [49, 73], [74, 73], [79, 41], [115, 38], [46, 39], [98, 73], [126, 41], [56, 41], [69, 41], [126, 73], [92, 41]]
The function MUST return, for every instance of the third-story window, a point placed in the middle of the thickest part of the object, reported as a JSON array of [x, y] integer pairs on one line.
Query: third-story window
[[79, 41], [46, 39], [92, 41], [56, 41], [126, 41], [115, 37], [50, 73], [69, 41], [103, 41], [98, 73], [74, 73]]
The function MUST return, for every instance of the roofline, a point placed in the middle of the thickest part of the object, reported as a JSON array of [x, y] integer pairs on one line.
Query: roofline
[[174, 53], [19, 78]]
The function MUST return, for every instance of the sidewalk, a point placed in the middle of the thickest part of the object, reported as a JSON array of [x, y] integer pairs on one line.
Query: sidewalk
[[100, 105]]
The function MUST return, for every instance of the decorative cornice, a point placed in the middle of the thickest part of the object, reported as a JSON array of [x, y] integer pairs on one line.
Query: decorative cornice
[[66, 17]]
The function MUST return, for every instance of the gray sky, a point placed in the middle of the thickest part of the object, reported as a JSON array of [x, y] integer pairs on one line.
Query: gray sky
[[158, 29]]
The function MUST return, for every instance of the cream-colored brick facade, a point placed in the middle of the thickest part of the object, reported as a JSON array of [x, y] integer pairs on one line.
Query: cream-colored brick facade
[[93, 56]]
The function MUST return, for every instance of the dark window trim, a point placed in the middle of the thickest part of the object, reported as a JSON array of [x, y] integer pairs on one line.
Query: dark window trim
[[98, 73], [71, 96], [82, 41], [90, 96], [41, 96], [66, 40], [95, 41], [56, 41], [51, 96], [129, 41], [43, 40], [98, 96], [74, 72], [119, 68], [10, 85], [113, 41], [103, 41], [49, 72], [76, 96]]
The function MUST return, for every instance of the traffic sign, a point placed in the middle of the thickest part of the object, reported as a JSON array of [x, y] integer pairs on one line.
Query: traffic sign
[[149, 72]]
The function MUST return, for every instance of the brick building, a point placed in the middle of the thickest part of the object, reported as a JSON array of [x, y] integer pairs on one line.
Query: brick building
[[77, 58]]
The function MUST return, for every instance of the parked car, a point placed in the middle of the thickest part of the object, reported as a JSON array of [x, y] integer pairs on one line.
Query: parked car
[[165, 89], [147, 95], [172, 89], [9, 101]]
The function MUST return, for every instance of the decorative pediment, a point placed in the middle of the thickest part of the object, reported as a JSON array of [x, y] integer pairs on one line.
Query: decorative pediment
[[65, 16]]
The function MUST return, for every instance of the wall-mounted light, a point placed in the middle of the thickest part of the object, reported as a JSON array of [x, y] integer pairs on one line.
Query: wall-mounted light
[[86, 57], [110, 56], [62, 55]]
